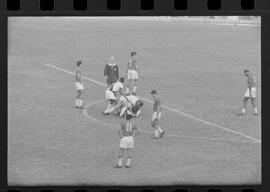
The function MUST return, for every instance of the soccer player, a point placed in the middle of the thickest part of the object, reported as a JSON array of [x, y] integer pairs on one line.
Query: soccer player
[[127, 131], [131, 103], [112, 94], [132, 74], [250, 92], [111, 72], [79, 86], [156, 115]]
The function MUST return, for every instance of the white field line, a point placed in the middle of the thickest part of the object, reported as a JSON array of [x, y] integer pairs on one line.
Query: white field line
[[166, 107], [87, 107], [236, 24]]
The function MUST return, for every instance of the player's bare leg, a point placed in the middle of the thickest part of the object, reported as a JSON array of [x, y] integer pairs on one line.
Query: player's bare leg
[[128, 85], [81, 99], [135, 86], [245, 100], [254, 106], [120, 158], [129, 150], [78, 101], [109, 106]]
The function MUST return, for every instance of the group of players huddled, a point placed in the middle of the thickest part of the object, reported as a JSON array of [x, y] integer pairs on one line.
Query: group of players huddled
[[123, 101]]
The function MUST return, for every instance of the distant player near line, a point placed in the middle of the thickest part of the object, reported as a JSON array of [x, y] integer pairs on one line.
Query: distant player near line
[[111, 72], [156, 115], [79, 86], [250, 92], [132, 74], [127, 131], [112, 95]]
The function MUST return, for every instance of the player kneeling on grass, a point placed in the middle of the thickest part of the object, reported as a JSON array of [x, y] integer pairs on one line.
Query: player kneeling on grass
[[132, 103], [127, 131], [156, 115], [79, 86], [112, 94]]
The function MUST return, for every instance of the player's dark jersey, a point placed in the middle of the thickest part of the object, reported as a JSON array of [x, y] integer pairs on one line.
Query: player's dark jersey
[[127, 129], [251, 81], [78, 77], [157, 105], [112, 72]]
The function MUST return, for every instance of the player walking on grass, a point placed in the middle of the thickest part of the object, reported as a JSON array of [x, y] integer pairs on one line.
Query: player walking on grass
[[111, 72], [156, 115], [79, 86], [127, 131], [112, 94], [250, 92], [132, 74]]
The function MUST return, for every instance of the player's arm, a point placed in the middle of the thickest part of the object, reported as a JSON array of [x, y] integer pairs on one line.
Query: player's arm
[[136, 67], [106, 71], [117, 72], [120, 130]]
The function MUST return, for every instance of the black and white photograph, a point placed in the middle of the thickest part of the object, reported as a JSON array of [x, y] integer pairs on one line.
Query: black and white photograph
[[134, 100]]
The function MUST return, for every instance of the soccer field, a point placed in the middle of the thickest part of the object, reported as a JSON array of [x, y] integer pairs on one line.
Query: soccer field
[[197, 69]]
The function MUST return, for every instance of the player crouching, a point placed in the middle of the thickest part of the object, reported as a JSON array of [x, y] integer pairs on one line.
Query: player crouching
[[112, 93], [131, 103], [127, 131], [156, 115]]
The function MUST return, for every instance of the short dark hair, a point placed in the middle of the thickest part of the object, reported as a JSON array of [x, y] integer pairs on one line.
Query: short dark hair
[[133, 53], [246, 71], [122, 79], [79, 63], [153, 92]]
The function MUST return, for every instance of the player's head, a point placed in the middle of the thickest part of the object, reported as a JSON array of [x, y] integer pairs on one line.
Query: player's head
[[139, 103], [122, 79], [79, 63], [153, 92], [112, 59], [246, 72], [133, 53]]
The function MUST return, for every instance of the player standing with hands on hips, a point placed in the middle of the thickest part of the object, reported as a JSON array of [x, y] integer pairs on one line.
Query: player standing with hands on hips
[[127, 131], [111, 72], [156, 115], [79, 86], [250, 93]]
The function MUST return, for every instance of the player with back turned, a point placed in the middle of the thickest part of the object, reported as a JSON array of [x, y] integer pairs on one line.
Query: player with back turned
[[79, 86], [127, 132]]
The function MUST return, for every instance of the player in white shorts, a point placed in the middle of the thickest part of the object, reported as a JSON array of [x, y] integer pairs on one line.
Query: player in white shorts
[[156, 115], [79, 86], [131, 102], [250, 93], [132, 74], [112, 94], [127, 131]]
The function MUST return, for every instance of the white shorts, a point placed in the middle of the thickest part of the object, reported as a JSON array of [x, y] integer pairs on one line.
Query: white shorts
[[156, 116], [79, 86], [132, 74], [251, 94], [127, 142], [109, 95]]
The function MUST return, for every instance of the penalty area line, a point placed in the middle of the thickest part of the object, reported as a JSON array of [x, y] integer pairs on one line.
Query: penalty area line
[[164, 106]]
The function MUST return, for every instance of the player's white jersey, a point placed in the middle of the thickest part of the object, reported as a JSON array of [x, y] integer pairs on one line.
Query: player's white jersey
[[129, 100], [116, 87]]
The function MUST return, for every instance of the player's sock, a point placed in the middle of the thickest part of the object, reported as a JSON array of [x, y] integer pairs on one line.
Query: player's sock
[[134, 89], [120, 161], [123, 111], [77, 102], [160, 130], [80, 102], [128, 162], [255, 110], [108, 107], [243, 111], [156, 133]]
